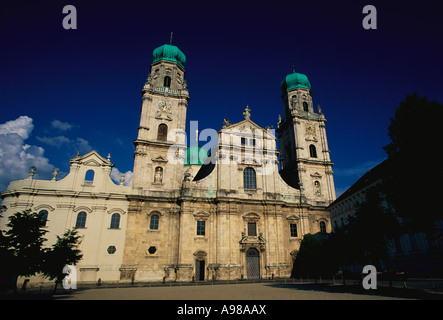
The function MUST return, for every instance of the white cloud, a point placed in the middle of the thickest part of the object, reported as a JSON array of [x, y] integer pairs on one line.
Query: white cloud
[[116, 174], [77, 144], [63, 126], [21, 126], [357, 170], [16, 157], [54, 141]]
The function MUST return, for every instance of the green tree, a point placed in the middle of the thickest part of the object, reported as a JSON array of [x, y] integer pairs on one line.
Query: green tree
[[314, 258], [411, 186], [370, 231], [64, 252], [22, 245]]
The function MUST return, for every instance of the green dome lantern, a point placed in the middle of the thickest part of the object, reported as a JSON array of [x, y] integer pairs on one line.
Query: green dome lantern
[[295, 80], [170, 53]]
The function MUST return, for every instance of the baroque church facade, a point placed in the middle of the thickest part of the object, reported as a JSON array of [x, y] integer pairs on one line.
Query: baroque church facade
[[190, 215]]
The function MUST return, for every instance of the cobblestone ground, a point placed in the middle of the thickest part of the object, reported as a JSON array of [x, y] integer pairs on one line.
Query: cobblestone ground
[[252, 291]]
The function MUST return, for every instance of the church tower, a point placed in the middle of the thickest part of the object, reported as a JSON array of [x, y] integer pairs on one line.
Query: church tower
[[157, 166], [305, 159]]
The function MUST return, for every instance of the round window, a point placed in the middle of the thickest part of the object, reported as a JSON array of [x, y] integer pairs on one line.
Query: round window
[[152, 250], [111, 249]]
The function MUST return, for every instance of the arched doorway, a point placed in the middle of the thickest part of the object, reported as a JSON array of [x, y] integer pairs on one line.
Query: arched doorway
[[199, 270], [200, 264], [253, 264]]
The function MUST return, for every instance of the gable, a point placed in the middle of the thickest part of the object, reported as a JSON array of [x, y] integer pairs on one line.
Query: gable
[[92, 159]]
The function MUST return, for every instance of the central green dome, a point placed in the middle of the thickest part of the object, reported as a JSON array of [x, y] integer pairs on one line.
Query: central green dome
[[295, 80], [170, 53]]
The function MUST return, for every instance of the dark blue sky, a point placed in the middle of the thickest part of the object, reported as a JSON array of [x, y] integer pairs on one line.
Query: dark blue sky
[[238, 52]]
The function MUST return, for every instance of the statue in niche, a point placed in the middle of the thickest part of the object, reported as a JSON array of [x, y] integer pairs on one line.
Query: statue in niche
[[317, 188], [158, 176]]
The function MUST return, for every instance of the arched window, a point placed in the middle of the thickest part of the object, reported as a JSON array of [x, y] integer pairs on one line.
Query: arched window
[[322, 227], [154, 222], [249, 179], [162, 132], [312, 151], [89, 177], [305, 106], [81, 220], [167, 82], [115, 221], [43, 215]]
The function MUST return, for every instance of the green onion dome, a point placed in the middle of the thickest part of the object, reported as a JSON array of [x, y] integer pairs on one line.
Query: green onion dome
[[170, 53], [295, 80]]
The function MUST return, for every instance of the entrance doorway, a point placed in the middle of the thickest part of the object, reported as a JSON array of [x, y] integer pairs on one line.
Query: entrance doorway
[[253, 264], [199, 270]]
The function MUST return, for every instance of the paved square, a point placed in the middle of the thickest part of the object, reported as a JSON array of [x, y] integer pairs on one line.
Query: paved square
[[248, 291]]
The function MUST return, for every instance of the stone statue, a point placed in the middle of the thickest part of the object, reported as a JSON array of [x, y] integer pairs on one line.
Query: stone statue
[[158, 176], [317, 188], [55, 174], [122, 178], [32, 172], [226, 123], [247, 113]]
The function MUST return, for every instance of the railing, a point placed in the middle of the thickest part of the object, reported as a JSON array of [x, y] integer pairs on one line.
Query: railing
[[167, 90]]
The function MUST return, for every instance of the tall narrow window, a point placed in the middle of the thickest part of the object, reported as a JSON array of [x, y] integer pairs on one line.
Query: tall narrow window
[[89, 177], [252, 229], [81, 220], [249, 179], [43, 215], [200, 228], [162, 132], [167, 82], [293, 229], [312, 151], [115, 221], [322, 227], [305, 106], [154, 222], [243, 141]]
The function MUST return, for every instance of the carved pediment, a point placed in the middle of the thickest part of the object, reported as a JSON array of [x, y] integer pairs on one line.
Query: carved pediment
[[159, 159], [252, 217], [292, 217], [92, 159], [201, 215], [316, 175], [91, 163]]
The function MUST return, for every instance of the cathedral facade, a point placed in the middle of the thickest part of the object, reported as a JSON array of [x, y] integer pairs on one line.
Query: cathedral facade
[[231, 213]]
